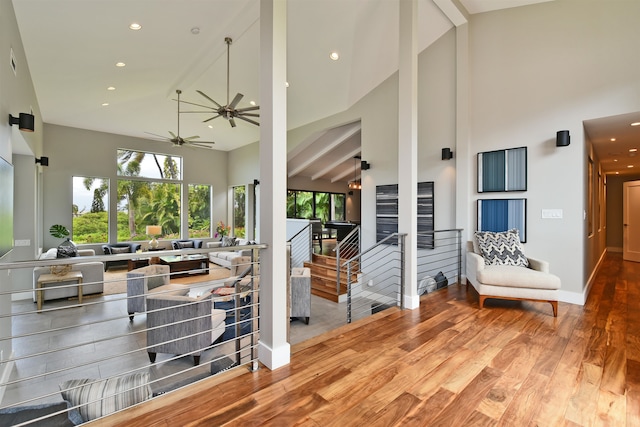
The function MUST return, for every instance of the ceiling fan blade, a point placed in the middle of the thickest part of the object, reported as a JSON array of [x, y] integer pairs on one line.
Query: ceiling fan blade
[[255, 107], [197, 105], [248, 120], [210, 99], [200, 144], [235, 101], [173, 135], [214, 117], [190, 138], [248, 114], [158, 136], [232, 122]]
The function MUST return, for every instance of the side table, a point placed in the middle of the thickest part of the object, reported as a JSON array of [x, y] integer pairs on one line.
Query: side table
[[52, 278]]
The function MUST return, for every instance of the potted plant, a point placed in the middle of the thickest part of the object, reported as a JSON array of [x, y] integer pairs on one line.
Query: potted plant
[[67, 248]]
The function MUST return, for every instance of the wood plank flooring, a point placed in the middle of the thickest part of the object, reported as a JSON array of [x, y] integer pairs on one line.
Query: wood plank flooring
[[447, 363]]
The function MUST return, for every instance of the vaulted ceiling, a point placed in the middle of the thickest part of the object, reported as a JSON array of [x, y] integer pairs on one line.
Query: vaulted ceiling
[[72, 47]]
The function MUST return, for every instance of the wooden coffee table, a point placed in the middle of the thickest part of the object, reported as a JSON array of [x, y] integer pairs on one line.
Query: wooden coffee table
[[186, 265]]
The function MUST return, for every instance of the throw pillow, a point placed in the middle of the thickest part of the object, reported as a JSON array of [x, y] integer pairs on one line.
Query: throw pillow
[[501, 248], [228, 241], [97, 398], [185, 245], [120, 250]]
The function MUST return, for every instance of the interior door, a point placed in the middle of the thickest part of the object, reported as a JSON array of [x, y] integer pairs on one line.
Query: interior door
[[631, 221]]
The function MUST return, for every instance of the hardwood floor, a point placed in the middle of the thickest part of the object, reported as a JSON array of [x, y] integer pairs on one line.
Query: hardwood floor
[[445, 364]]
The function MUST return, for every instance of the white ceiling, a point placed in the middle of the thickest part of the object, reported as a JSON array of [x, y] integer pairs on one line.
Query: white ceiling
[[72, 47], [616, 156]]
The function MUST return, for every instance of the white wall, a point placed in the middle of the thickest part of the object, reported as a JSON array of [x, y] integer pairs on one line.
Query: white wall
[[539, 69]]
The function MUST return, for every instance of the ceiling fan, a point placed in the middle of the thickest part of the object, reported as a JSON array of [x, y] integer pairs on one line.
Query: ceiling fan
[[228, 111], [179, 141]]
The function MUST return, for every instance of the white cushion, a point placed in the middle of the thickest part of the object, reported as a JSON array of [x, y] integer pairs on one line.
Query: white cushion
[[50, 254], [517, 277]]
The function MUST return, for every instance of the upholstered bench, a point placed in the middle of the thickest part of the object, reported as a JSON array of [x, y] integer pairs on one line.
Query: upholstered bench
[[515, 277]]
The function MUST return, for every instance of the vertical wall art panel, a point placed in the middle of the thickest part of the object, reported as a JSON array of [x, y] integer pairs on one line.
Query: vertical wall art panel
[[502, 170], [425, 215], [386, 210], [503, 214]]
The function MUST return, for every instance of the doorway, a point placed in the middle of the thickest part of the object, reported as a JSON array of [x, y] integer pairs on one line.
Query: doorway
[[631, 221]]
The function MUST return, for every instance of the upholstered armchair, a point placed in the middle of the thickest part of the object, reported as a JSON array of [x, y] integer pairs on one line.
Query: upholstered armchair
[[504, 280], [152, 279], [119, 248], [180, 324]]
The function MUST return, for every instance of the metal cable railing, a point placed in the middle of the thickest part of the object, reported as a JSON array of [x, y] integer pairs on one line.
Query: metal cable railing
[[441, 264], [375, 278], [301, 247], [346, 249], [87, 350]]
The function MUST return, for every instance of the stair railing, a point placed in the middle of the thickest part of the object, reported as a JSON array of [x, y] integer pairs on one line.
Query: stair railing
[[375, 277], [345, 249], [301, 247]]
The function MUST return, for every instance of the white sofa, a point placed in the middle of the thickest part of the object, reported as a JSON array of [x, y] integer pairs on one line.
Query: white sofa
[[512, 282], [92, 277], [223, 258]]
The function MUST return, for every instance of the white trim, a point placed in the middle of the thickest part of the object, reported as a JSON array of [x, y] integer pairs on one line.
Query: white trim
[[274, 359]]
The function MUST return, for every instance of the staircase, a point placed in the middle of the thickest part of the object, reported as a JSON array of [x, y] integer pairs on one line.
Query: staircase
[[323, 277]]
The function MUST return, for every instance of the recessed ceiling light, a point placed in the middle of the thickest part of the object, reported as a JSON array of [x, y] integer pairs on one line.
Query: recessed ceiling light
[[135, 26], [120, 64], [195, 31], [210, 126], [111, 88], [104, 104], [286, 84], [635, 124], [252, 103], [334, 55], [613, 139]]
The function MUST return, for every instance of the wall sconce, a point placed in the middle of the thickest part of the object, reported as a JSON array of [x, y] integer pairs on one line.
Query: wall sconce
[[364, 165], [256, 182], [44, 161], [25, 122], [447, 154], [153, 231], [563, 139]]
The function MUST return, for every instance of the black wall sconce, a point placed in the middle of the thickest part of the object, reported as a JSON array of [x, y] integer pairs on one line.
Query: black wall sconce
[[256, 182], [563, 139], [44, 161], [25, 122], [364, 165], [447, 154]]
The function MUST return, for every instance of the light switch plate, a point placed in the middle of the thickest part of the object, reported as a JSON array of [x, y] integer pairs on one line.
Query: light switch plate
[[552, 213]]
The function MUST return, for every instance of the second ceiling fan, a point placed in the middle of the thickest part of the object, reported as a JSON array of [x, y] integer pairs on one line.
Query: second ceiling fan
[[228, 111]]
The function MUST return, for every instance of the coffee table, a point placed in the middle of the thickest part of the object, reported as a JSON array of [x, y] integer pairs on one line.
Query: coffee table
[[186, 265]]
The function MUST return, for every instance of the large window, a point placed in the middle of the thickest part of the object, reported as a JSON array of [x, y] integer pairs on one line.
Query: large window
[[90, 210], [148, 194], [199, 210], [239, 211], [316, 204]]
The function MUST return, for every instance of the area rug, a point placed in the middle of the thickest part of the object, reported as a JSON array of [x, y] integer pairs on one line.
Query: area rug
[[115, 281]]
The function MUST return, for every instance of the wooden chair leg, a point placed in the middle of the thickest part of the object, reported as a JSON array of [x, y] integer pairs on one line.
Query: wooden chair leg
[[481, 300], [554, 304]]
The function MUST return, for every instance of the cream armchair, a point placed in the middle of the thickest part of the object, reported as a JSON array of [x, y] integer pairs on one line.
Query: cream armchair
[[532, 283], [152, 279]]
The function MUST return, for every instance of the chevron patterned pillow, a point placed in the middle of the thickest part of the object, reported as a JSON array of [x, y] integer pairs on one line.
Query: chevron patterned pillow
[[501, 248]]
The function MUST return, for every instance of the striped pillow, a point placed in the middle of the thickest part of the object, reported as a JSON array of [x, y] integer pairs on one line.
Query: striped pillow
[[501, 248], [97, 398]]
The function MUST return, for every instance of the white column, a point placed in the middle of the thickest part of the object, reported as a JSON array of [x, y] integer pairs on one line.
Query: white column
[[408, 145], [273, 349], [464, 158]]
